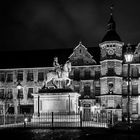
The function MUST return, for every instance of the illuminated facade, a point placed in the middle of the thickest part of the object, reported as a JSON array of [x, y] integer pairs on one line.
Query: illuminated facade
[[105, 82]]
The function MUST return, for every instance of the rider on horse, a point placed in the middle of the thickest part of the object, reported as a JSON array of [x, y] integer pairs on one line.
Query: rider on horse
[[57, 66]]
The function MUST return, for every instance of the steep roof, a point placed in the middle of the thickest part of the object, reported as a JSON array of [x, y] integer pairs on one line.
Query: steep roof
[[111, 34], [81, 56]]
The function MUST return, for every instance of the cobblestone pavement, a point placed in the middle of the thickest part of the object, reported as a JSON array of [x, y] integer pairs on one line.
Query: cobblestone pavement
[[65, 134]]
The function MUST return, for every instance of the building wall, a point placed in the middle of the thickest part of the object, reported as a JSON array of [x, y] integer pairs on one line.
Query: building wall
[[92, 80]]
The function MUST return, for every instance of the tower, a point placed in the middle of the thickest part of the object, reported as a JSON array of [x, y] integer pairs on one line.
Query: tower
[[111, 68]]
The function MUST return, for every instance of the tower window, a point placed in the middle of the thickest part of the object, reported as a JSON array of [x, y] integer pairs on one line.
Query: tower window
[[110, 87]]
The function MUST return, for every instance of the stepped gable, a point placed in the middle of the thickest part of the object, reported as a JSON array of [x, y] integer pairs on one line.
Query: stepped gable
[[81, 56]]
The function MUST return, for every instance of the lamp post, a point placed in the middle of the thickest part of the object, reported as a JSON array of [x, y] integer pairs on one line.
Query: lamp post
[[69, 103], [128, 58], [38, 105], [19, 86]]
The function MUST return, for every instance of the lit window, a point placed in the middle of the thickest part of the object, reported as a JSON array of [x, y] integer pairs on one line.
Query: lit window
[[134, 107]]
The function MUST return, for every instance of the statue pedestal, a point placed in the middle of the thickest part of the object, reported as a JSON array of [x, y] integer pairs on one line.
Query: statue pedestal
[[59, 101]]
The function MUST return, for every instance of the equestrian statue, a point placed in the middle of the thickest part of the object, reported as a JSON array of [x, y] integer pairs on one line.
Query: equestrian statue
[[59, 74]]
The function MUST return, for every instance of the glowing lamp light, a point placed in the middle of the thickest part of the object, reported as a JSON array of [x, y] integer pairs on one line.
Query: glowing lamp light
[[81, 108], [26, 120], [19, 86], [128, 55]]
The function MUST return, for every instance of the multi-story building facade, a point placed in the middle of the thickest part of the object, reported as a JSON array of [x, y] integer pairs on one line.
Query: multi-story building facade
[[106, 81]]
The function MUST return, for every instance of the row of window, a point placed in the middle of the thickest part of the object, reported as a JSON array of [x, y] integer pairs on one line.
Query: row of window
[[87, 75], [9, 93], [30, 76]]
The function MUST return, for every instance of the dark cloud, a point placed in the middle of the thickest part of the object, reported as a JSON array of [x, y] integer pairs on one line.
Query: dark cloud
[[49, 24]]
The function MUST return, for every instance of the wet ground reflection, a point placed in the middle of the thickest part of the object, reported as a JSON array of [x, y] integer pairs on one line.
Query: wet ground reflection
[[66, 134]]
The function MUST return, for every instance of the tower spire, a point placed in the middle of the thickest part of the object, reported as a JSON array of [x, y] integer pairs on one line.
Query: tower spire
[[111, 34], [111, 23], [111, 9]]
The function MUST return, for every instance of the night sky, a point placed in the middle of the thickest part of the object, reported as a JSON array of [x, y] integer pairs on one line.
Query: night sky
[[50, 24]]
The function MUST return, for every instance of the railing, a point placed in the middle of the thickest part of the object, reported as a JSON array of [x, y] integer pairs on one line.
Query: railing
[[53, 120]]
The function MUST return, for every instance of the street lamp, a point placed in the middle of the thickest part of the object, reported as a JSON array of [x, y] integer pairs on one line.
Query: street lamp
[[19, 86], [69, 103], [128, 58], [38, 106]]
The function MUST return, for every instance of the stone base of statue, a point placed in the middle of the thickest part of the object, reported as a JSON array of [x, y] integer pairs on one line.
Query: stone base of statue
[[61, 104]]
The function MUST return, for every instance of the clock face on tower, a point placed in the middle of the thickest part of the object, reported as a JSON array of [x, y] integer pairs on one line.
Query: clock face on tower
[[111, 51]]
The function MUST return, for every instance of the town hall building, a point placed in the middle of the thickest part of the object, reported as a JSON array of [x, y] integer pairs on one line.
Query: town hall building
[[103, 82]]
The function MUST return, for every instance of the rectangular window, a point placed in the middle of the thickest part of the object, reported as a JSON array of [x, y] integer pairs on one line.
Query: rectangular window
[[30, 92], [97, 88], [30, 76], [134, 107], [97, 75], [40, 76], [87, 89], [77, 88], [2, 77], [2, 93], [77, 74], [9, 77], [20, 76], [20, 93], [9, 93], [87, 74]]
